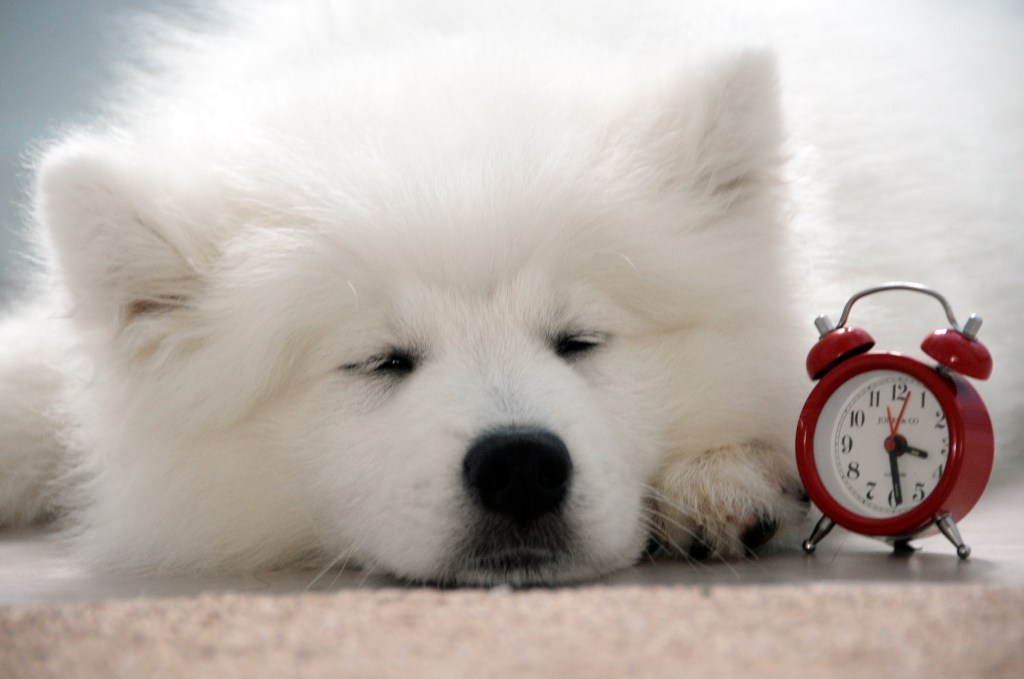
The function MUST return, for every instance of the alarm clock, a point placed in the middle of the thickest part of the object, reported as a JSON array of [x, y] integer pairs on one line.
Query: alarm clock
[[888, 446]]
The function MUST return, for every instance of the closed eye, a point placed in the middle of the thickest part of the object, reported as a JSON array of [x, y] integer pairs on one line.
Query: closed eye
[[573, 345], [393, 363]]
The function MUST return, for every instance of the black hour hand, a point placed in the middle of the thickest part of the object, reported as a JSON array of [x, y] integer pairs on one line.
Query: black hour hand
[[916, 452]]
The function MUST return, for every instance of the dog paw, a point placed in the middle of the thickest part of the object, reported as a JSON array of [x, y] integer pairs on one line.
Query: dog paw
[[724, 502]]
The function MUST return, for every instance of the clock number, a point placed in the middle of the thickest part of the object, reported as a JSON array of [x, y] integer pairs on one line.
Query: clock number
[[857, 418], [846, 444], [899, 391], [937, 474], [924, 395], [875, 399], [918, 492], [941, 424], [853, 471], [892, 498], [871, 490]]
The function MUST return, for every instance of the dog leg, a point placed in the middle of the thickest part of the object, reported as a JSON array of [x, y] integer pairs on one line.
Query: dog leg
[[30, 383], [725, 502]]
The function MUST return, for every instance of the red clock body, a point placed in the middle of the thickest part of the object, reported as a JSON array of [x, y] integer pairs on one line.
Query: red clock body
[[887, 445]]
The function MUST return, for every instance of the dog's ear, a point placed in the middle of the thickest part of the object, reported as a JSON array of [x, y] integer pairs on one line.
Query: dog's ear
[[112, 228], [717, 129]]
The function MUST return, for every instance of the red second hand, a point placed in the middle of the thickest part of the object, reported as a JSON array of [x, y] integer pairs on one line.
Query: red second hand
[[894, 427]]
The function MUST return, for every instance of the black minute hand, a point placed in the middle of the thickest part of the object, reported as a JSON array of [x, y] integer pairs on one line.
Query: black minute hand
[[894, 468]]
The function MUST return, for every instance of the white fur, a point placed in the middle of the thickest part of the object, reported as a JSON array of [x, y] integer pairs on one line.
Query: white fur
[[284, 198]]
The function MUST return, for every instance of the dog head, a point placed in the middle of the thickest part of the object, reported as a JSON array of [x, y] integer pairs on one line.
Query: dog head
[[439, 319]]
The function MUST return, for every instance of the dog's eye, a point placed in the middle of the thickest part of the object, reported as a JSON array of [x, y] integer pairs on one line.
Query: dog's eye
[[398, 363], [574, 345], [395, 363]]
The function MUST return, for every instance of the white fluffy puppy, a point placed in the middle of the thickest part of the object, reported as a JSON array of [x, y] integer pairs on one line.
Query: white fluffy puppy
[[470, 302]]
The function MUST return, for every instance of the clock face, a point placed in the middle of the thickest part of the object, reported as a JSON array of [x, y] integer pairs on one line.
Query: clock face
[[881, 443]]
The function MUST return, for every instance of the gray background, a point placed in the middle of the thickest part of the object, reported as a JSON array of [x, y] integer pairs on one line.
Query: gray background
[[54, 56]]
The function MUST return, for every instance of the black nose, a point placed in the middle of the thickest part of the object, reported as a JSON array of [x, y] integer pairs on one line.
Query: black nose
[[518, 473]]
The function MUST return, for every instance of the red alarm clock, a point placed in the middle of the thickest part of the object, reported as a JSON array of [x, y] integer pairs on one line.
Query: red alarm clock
[[891, 447]]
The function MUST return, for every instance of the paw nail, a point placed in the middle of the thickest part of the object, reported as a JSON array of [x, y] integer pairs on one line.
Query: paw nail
[[652, 548], [760, 533], [699, 548]]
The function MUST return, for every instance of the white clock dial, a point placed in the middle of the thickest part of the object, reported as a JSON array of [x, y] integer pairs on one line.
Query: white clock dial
[[881, 443]]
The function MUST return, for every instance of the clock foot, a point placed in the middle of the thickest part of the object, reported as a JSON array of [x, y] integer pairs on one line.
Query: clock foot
[[821, 529], [948, 527], [903, 547]]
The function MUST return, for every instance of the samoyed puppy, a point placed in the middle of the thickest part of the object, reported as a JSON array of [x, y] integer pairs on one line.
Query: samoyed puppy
[[474, 294]]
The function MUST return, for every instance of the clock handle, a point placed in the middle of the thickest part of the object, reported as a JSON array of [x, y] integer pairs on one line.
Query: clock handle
[[900, 285]]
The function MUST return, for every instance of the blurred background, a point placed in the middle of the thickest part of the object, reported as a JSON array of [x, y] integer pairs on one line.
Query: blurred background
[[54, 56]]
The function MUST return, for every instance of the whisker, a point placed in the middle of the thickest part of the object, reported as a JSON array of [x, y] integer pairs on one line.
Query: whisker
[[342, 558], [340, 561]]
